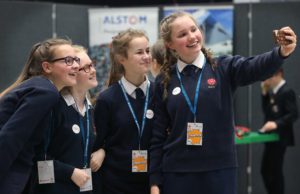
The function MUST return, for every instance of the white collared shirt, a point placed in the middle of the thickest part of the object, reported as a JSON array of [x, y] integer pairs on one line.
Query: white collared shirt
[[198, 62], [281, 83], [130, 88], [71, 102]]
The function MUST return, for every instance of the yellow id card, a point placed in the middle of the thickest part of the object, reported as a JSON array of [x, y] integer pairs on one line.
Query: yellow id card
[[194, 134], [139, 160]]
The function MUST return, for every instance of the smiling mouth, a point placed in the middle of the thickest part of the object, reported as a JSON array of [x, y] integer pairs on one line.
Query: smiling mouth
[[73, 74], [193, 45]]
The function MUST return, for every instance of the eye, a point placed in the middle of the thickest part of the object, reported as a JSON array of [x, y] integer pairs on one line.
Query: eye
[[69, 60], [181, 35]]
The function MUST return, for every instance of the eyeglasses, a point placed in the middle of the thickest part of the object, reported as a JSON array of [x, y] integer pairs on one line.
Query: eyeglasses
[[87, 68], [68, 60]]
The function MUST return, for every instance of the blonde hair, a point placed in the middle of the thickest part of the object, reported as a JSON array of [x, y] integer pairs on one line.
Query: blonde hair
[[119, 47], [170, 56], [79, 48], [40, 52]]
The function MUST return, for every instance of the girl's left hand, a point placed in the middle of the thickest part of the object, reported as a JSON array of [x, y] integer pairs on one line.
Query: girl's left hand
[[97, 160], [290, 36]]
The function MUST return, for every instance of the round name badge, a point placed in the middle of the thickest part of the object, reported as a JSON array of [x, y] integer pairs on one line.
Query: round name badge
[[149, 114], [76, 128], [176, 91]]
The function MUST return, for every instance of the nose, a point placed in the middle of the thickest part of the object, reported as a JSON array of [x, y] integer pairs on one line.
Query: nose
[[146, 57], [76, 65], [191, 36], [93, 69]]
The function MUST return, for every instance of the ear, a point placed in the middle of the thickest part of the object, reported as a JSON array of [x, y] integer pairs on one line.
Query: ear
[[47, 67], [121, 59]]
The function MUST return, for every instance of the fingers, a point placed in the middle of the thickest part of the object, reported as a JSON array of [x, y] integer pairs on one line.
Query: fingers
[[285, 36], [97, 159], [94, 165], [83, 179], [79, 177], [287, 40], [289, 34]]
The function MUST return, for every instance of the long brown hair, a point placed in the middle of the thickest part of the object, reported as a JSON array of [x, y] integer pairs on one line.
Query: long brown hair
[[118, 48], [40, 52], [171, 56]]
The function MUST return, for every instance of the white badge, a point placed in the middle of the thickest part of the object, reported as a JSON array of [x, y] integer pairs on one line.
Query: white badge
[[76, 128], [88, 186], [275, 109], [176, 91], [139, 160], [46, 171], [194, 134], [149, 114]]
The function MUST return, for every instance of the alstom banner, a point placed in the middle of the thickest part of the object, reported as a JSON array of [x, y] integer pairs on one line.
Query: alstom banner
[[104, 23]]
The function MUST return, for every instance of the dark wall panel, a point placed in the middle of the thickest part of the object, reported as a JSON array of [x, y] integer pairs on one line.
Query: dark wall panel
[[266, 17], [72, 22], [241, 28], [22, 25], [25, 23]]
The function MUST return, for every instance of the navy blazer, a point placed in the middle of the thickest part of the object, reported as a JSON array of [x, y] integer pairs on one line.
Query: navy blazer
[[169, 152], [283, 110], [23, 117]]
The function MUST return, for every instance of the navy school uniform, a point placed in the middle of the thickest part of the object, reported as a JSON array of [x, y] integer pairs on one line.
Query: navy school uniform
[[23, 117], [66, 147], [279, 106], [210, 168], [118, 136]]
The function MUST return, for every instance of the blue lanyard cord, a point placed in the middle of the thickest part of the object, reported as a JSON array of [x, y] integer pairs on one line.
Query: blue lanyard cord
[[85, 141], [48, 134], [193, 109], [140, 128]]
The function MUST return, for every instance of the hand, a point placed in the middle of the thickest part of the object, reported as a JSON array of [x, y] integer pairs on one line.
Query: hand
[[287, 49], [97, 159], [79, 177], [269, 126], [155, 189]]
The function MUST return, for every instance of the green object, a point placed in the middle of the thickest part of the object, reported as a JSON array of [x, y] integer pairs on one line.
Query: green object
[[255, 137]]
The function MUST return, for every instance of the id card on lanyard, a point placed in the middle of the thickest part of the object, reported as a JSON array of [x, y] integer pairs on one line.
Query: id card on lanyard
[[139, 157], [194, 130], [46, 171], [46, 167], [139, 160], [88, 186], [194, 134]]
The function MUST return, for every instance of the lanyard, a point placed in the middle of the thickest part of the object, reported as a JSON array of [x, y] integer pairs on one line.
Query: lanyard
[[85, 138], [140, 128], [193, 109], [48, 134]]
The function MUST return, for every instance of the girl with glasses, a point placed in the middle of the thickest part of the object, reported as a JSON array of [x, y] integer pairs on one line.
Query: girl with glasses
[[192, 148], [71, 136], [25, 109], [124, 115]]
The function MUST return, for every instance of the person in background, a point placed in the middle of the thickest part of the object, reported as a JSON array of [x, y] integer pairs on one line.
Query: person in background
[[25, 107], [158, 52], [70, 139], [124, 115], [279, 104], [192, 147]]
